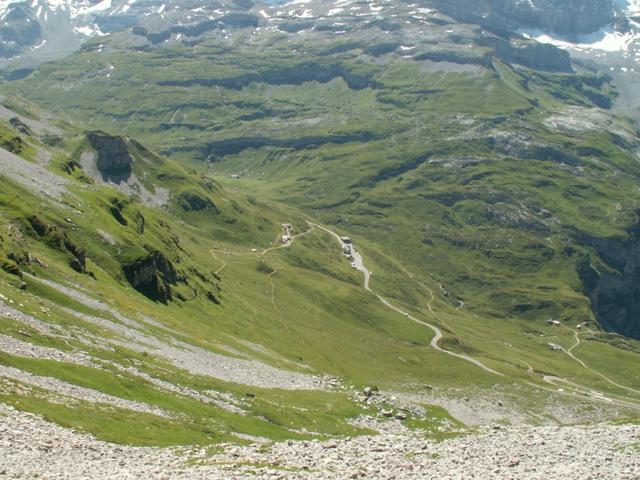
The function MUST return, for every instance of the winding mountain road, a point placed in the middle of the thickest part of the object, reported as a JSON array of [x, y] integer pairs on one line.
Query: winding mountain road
[[569, 388], [584, 365], [574, 389], [359, 265]]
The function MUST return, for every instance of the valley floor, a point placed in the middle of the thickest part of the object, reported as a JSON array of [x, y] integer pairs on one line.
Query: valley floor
[[31, 447]]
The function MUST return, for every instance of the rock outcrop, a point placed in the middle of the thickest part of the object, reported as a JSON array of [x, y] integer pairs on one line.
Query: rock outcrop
[[20, 126], [534, 55], [231, 20], [321, 70], [114, 158], [14, 144], [152, 275], [116, 208], [115, 23], [11, 267], [194, 202], [57, 238]]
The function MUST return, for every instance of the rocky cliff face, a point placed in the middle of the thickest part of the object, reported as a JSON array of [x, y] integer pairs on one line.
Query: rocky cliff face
[[614, 288], [113, 154], [567, 17], [537, 56], [19, 29]]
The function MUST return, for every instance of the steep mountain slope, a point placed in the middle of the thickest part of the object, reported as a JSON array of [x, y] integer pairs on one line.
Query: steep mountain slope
[[200, 344], [237, 345], [43, 29], [201, 294], [135, 288], [565, 17]]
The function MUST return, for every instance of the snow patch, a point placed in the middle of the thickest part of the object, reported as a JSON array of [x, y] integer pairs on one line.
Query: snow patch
[[605, 39], [99, 7]]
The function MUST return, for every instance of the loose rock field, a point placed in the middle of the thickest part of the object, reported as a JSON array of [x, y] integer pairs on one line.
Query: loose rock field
[[30, 447]]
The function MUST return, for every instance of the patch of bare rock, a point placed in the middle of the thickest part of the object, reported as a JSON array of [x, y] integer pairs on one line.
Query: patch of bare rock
[[32, 176]]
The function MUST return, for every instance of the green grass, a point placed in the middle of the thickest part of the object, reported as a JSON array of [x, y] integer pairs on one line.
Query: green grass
[[437, 424], [272, 414], [449, 180], [117, 425]]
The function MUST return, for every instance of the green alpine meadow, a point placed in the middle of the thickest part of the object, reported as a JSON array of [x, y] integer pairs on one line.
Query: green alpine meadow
[[319, 239]]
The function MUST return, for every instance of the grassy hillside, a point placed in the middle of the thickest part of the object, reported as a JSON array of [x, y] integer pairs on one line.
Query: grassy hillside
[[65, 290], [485, 197], [484, 174]]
